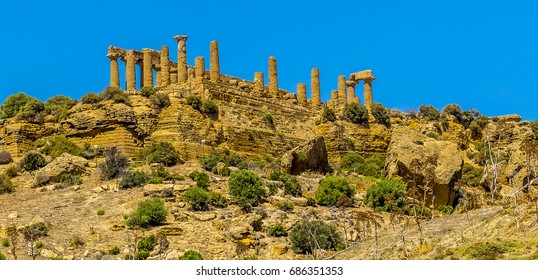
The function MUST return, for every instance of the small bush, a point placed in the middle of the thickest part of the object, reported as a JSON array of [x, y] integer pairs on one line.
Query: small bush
[[356, 113], [12, 171], [197, 197], [147, 91], [58, 106], [285, 206], [114, 250], [115, 94], [277, 230], [159, 101], [386, 194], [429, 112], [5, 157], [13, 104], [76, 242], [155, 180], [477, 125], [534, 128], [32, 111], [194, 101], [36, 230], [381, 114], [328, 114], [2, 256], [454, 110], [268, 118], [39, 245], [144, 247], [291, 185], [149, 212], [91, 98], [433, 135], [133, 179], [33, 161], [201, 179], [331, 188], [209, 107], [210, 161], [351, 162], [160, 171], [191, 255], [246, 187], [307, 235], [114, 165], [68, 179], [100, 212], [218, 200], [490, 250], [471, 175], [5, 242], [447, 209], [59, 144], [161, 152]]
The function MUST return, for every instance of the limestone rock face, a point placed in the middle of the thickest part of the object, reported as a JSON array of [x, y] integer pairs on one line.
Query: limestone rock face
[[311, 155], [415, 157], [64, 164]]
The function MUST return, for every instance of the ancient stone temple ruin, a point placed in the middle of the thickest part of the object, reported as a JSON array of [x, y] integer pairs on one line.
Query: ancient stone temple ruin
[[182, 79]]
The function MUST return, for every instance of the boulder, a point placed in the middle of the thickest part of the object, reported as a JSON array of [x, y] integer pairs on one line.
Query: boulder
[[310, 156], [159, 190], [64, 164], [424, 160]]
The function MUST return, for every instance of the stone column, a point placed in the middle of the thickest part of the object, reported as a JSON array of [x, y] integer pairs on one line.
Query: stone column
[[314, 84], [158, 77], [258, 82], [301, 93], [342, 90], [182, 72], [214, 64], [273, 77], [130, 71], [199, 64], [351, 96], [165, 67], [147, 67], [114, 70], [334, 96], [140, 72], [368, 95]]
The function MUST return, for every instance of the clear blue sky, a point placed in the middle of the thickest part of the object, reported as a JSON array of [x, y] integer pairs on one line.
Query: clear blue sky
[[479, 54]]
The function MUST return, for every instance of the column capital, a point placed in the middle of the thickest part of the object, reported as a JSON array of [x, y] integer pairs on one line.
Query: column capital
[[181, 38], [113, 56], [351, 83]]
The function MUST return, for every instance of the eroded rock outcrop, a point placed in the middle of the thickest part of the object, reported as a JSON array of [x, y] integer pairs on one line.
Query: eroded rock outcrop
[[311, 156], [64, 164]]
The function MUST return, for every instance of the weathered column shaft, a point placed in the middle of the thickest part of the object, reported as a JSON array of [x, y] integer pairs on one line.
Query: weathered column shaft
[[130, 71], [314, 84], [301, 93], [273, 77], [114, 72], [147, 68], [182, 72], [258, 81], [165, 67], [199, 64], [342, 89], [214, 64], [368, 95], [351, 96], [158, 78]]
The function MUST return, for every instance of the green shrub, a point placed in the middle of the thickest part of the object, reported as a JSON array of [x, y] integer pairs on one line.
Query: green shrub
[[114, 165], [201, 179], [285, 206], [386, 194], [210, 161], [32, 111], [2, 256], [477, 125], [13, 104], [291, 185], [58, 106], [381, 114], [33, 161], [76, 242], [209, 107], [197, 197], [161, 152], [100, 212], [433, 135], [246, 187], [159, 101], [160, 171], [268, 118], [307, 235], [91, 98], [191, 255], [147, 91], [277, 230], [490, 250], [429, 112], [331, 188], [68, 179], [5, 242], [149, 212], [374, 165], [57, 145], [5, 184], [35, 230], [534, 128], [133, 179], [471, 175], [144, 247], [115, 94], [356, 113], [5, 157], [217, 199], [155, 180], [328, 114], [447, 209], [114, 250], [352, 162], [454, 110], [12, 171], [194, 101]]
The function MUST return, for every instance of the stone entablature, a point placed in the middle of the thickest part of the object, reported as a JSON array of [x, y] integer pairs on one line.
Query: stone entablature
[[178, 77]]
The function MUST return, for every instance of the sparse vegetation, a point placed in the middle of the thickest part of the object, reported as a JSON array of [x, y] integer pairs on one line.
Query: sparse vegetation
[[144, 247], [5, 157], [201, 179], [114, 250], [91, 98], [217, 199], [150, 212], [191, 255], [2, 256], [160, 152], [12, 171], [133, 179], [428, 112], [277, 230], [331, 188], [5, 242], [77, 242], [284, 205], [308, 236], [386, 194], [246, 187], [68, 179], [534, 128], [58, 106], [490, 250], [115, 94], [268, 118], [100, 212], [159, 101], [356, 113], [209, 107], [114, 165], [210, 161], [195, 102], [291, 185], [57, 145], [147, 91], [328, 114], [33, 161], [381, 114], [471, 175]]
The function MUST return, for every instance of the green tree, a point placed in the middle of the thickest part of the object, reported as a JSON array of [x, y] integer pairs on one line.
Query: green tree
[[194, 101], [356, 113], [32, 111], [328, 114], [58, 106], [13, 104], [33, 161], [209, 107], [91, 98], [428, 112], [381, 114], [386, 194]]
